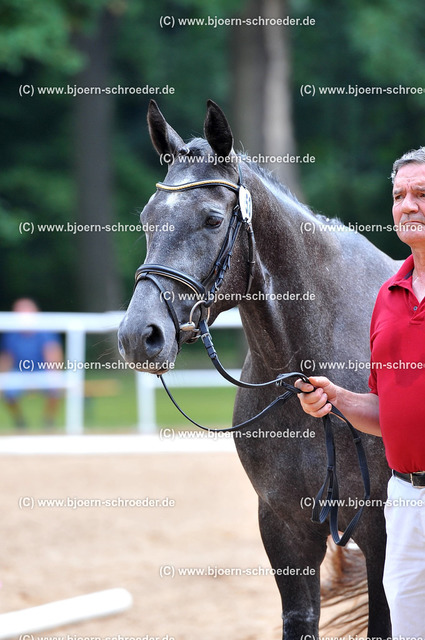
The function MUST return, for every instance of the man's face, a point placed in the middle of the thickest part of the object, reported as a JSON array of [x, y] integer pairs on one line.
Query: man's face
[[409, 204]]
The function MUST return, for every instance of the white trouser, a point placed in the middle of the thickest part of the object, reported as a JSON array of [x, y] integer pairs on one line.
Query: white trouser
[[404, 574]]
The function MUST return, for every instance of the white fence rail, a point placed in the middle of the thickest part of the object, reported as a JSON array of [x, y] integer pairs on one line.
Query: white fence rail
[[75, 326]]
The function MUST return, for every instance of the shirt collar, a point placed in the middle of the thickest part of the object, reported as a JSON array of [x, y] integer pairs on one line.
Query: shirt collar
[[402, 275]]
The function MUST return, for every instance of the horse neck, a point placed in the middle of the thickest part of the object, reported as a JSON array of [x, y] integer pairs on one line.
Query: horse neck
[[289, 262]]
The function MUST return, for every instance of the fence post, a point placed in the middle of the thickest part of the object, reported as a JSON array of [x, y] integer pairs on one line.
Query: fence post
[[146, 411], [76, 354]]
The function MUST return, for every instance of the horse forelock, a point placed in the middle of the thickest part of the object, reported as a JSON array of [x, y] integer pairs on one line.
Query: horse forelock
[[198, 155]]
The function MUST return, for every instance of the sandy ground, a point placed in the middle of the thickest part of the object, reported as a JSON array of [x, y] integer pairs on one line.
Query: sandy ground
[[50, 553]]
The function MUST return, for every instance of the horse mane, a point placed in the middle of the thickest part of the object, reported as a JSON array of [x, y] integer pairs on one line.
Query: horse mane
[[269, 177], [198, 148]]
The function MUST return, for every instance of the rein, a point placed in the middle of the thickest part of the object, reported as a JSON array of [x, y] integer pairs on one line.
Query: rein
[[205, 292], [322, 506]]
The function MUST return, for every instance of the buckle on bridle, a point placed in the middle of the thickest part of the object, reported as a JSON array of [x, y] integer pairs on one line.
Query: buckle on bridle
[[191, 326]]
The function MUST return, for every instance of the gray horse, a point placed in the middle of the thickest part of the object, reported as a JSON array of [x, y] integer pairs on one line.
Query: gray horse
[[308, 309]]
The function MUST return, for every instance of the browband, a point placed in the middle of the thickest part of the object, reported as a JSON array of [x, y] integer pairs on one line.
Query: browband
[[195, 185]]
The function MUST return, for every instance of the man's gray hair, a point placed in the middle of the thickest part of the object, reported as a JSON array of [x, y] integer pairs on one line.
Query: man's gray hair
[[414, 155]]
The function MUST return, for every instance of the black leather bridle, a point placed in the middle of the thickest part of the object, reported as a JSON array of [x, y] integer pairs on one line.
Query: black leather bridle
[[205, 293]]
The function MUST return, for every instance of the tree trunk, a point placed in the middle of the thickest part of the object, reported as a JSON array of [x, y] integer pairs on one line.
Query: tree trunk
[[262, 90], [97, 267]]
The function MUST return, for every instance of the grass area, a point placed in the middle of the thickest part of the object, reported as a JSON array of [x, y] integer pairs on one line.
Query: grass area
[[117, 412]]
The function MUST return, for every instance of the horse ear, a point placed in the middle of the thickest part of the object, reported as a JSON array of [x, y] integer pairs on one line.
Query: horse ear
[[217, 130], [165, 140]]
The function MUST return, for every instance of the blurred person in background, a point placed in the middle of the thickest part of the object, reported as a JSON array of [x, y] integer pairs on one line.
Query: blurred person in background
[[38, 347]]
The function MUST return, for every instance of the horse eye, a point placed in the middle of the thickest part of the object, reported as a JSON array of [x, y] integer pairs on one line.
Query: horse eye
[[213, 222]]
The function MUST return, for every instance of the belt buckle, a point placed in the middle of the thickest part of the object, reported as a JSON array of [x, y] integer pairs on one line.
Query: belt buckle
[[418, 475]]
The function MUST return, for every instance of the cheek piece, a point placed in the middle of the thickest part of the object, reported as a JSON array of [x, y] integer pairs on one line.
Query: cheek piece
[[206, 290]]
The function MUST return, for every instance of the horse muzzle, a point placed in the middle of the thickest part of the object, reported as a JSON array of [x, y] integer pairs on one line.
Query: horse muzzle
[[145, 340]]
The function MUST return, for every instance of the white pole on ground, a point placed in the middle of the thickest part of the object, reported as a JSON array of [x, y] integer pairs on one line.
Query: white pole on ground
[[62, 612]]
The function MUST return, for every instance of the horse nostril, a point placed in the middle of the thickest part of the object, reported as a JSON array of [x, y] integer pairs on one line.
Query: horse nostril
[[154, 340]]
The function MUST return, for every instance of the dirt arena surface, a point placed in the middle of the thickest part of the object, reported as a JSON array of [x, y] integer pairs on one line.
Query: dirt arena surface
[[52, 552]]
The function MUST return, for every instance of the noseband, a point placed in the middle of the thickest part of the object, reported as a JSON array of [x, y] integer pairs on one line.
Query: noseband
[[205, 291]]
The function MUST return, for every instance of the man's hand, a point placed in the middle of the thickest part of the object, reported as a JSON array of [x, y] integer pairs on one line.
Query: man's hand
[[317, 403]]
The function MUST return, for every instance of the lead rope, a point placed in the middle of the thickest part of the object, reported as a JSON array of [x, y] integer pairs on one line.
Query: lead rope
[[322, 507]]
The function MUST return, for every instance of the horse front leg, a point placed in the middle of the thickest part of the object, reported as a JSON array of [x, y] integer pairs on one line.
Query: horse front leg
[[295, 551]]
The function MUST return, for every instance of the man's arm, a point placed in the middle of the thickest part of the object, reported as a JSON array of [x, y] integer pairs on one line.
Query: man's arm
[[52, 352], [361, 409], [6, 362]]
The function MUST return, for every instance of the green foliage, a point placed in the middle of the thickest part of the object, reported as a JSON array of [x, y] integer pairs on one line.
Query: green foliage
[[38, 185], [388, 36], [354, 140], [37, 31]]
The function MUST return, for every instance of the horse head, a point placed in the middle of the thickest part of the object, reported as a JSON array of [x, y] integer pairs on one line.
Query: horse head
[[191, 225]]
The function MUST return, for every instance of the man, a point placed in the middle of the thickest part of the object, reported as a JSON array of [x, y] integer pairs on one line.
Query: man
[[34, 346], [394, 408]]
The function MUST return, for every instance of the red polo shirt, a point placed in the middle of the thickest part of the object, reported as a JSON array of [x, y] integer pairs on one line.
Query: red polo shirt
[[397, 337]]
